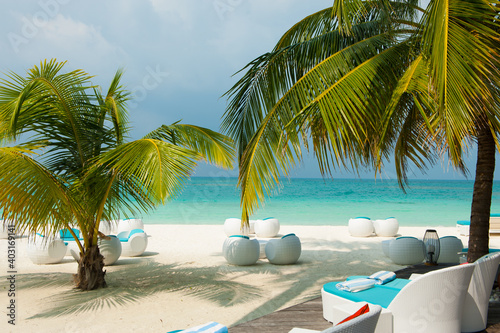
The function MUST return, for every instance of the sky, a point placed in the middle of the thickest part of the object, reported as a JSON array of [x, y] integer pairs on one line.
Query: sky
[[179, 56]]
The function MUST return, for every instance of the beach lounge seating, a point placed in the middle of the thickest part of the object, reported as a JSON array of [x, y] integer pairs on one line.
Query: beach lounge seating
[[450, 246], [129, 225], [267, 228], [386, 228], [360, 227], [232, 226], [71, 245], [133, 242], [284, 251], [45, 250], [406, 251], [475, 313], [109, 227], [241, 250], [364, 323], [464, 225], [111, 249], [431, 303]]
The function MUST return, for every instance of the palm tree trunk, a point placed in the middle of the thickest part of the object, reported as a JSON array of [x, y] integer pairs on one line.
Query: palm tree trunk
[[481, 198], [90, 273]]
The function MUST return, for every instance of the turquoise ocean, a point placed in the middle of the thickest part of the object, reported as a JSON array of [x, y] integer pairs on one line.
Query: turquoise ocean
[[207, 200]]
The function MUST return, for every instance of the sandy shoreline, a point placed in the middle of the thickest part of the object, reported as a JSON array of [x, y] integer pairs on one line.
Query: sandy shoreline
[[183, 280]]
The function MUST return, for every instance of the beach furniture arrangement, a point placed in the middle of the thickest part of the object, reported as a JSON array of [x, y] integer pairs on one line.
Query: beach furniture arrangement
[[284, 251], [133, 242], [129, 225], [433, 302], [450, 247], [359, 322], [267, 228], [45, 250], [365, 227], [405, 250], [241, 250], [211, 327]]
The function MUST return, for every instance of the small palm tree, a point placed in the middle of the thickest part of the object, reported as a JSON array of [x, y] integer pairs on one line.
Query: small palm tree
[[74, 166], [366, 80]]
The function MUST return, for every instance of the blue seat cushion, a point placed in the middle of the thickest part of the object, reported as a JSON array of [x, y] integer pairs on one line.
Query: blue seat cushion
[[463, 222], [380, 294]]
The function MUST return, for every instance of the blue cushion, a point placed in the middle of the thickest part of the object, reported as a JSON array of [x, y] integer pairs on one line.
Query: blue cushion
[[268, 218], [380, 295], [406, 237], [494, 215], [66, 235], [240, 236], [287, 235], [362, 217], [466, 249], [463, 222], [135, 231]]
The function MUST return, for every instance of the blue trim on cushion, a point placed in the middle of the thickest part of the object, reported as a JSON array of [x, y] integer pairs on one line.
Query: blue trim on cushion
[[362, 217], [288, 235], [407, 237], [135, 231], [175, 331], [66, 235], [463, 222], [392, 217], [40, 234], [380, 295], [494, 215], [240, 236], [466, 249], [448, 237], [267, 218]]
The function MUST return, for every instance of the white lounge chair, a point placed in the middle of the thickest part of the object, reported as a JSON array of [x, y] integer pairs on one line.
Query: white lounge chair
[[45, 250], [129, 225], [241, 250], [432, 303], [284, 251], [360, 227], [386, 228], [475, 313], [449, 247], [267, 228], [133, 243], [406, 251]]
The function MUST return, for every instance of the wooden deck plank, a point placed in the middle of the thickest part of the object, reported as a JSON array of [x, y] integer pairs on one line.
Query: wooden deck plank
[[309, 314]]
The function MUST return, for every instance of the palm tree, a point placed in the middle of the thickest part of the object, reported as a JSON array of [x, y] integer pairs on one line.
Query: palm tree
[[364, 81], [69, 163]]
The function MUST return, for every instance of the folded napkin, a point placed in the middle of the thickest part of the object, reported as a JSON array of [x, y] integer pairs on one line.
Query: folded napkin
[[383, 277], [356, 285], [211, 327]]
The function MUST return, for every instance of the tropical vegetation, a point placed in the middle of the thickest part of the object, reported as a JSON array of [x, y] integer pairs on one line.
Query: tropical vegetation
[[66, 160], [367, 82]]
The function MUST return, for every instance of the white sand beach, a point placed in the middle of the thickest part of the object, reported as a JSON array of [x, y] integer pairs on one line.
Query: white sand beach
[[183, 280]]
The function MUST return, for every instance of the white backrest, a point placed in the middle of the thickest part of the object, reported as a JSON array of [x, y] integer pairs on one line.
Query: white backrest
[[432, 303]]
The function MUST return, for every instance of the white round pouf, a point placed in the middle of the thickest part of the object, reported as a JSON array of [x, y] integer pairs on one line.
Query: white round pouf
[[284, 251], [110, 249], [407, 251], [360, 227], [241, 250], [267, 228], [133, 243], [129, 225], [449, 247], [232, 227], [44, 250], [386, 228]]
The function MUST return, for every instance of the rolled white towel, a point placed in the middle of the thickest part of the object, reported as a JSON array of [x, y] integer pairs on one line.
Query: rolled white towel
[[356, 285], [383, 277]]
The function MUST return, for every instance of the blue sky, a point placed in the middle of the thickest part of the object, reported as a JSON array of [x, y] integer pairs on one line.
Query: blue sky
[[179, 55]]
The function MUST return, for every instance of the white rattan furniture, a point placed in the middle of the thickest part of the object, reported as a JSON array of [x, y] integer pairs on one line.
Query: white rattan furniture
[[475, 314], [232, 226], [241, 250], [432, 303], [360, 227], [386, 228], [111, 249], [364, 323], [449, 248], [129, 225], [45, 250], [284, 251], [133, 243], [267, 228], [406, 251]]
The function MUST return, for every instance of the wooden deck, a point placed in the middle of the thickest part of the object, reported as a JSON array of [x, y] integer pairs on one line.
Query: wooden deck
[[310, 314]]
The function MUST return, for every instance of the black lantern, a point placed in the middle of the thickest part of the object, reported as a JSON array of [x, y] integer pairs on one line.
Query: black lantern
[[431, 247]]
